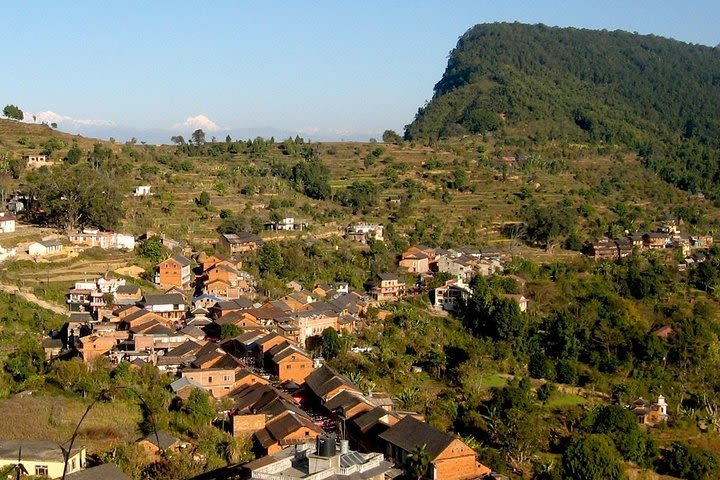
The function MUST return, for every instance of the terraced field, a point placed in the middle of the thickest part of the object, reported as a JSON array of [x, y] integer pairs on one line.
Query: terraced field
[[600, 179]]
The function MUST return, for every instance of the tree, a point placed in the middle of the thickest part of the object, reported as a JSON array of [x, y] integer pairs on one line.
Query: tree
[[691, 463], [592, 457], [229, 331], [390, 136], [198, 137], [270, 259], [153, 250], [177, 140], [51, 145], [68, 374], [520, 435], [480, 121], [332, 343], [545, 391], [203, 200], [540, 366], [74, 154], [310, 176], [13, 112], [26, 360], [621, 426], [53, 125], [61, 199], [198, 406], [419, 461]]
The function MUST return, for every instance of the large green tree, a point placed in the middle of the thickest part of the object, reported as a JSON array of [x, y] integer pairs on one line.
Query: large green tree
[[621, 426], [13, 112], [691, 463], [75, 197], [592, 457]]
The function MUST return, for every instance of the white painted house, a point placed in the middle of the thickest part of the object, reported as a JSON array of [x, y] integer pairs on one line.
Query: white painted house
[[7, 253], [7, 222], [96, 238], [45, 248], [36, 161], [142, 191]]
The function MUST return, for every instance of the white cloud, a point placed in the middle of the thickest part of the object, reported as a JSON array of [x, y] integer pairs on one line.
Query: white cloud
[[53, 117], [198, 121]]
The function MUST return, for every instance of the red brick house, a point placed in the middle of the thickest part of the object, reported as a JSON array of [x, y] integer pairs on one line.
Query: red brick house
[[174, 272], [450, 458]]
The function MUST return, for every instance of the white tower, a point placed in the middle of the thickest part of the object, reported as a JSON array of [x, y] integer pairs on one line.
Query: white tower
[[662, 404]]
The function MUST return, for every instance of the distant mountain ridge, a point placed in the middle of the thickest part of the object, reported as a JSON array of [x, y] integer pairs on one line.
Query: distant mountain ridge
[[641, 91]]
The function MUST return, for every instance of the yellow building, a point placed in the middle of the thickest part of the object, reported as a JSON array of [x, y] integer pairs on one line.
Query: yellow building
[[43, 459]]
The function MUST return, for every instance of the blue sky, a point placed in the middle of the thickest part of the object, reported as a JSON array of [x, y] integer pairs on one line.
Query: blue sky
[[326, 69]]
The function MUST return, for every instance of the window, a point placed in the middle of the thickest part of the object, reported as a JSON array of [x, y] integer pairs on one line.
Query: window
[[288, 367], [41, 470], [209, 379]]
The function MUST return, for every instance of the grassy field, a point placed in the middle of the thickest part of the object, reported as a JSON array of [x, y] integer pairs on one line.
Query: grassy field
[[54, 418], [565, 400]]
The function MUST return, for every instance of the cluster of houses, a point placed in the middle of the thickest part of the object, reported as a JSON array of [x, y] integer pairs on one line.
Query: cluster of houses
[[105, 240], [461, 264], [293, 407], [290, 404], [115, 319], [667, 236], [649, 413], [323, 427], [312, 428]]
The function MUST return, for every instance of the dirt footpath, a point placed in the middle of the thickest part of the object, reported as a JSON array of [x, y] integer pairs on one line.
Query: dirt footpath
[[29, 297]]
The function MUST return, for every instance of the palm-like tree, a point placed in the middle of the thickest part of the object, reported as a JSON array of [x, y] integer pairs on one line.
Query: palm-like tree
[[419, 461], [18, 469]]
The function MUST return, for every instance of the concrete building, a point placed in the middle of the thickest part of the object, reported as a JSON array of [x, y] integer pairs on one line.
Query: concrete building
[[7, 222], [45, 248], [318, 460]]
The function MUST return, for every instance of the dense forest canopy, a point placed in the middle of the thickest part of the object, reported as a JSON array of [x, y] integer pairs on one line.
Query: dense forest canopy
[[658, 96]]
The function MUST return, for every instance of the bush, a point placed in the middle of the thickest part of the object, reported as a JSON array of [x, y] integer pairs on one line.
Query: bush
[[567, 372], [545, 391], [691, 463], [540, 366]]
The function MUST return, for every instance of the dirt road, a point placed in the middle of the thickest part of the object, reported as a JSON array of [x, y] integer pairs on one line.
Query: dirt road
[[29, 297]]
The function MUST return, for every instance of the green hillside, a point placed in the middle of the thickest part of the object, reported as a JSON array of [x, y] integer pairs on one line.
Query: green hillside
[[410, 186], [656, 96]]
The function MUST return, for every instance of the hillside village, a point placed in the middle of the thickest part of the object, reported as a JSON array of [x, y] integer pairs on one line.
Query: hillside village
[[525, 285], [209, 329], [204, 317], [205, 324]]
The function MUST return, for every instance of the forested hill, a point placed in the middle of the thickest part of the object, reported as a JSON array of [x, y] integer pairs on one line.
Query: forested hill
[[658, 96]]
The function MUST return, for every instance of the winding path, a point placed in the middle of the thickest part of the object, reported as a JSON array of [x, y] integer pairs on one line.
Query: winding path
[[29, 297]]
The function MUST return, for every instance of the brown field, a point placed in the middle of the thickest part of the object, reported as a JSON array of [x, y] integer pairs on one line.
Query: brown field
[[55, 418]]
